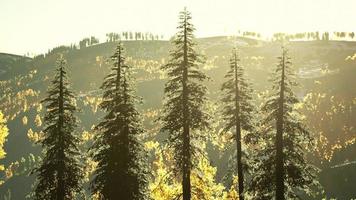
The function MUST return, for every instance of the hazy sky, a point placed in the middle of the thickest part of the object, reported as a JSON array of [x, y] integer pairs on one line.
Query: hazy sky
[[37, 25]]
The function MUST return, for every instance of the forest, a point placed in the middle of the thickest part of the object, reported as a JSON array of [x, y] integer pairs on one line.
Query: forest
[[224, 118]]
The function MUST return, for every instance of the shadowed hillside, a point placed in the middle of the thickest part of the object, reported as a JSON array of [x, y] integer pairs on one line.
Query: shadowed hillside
[[325, 69]]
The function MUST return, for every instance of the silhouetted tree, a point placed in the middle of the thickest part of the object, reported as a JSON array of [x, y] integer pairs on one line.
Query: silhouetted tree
[[325, 36], [121, 171], [60, 174], [317, 37], [93, 40], [112, 37], [109, 37], [84, 43], [183, 113], [281, 169], [237, 111], [125, 35]]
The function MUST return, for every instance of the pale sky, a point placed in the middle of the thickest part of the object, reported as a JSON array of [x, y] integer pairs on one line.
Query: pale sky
[[38, 25]]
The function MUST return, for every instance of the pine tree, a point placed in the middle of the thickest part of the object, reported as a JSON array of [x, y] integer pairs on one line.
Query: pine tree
[[237, 112], [183, 114], [60, 174], [121, 171], [283, 143]]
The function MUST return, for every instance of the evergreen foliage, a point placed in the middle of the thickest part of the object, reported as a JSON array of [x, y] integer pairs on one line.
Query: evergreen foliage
[[183, 114], [237, 112], [121, 171], [281, 170], [59, 176]]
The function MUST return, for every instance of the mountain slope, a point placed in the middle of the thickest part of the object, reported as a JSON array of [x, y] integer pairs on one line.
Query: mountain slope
[[322, 67]]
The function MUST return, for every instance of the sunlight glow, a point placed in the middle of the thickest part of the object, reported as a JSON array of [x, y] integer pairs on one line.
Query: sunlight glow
[[36, 26]]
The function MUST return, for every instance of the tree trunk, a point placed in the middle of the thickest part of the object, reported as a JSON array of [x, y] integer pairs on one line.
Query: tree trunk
[[186, 168], [60, 183], [279, 139], [238, 135], [186, 185]]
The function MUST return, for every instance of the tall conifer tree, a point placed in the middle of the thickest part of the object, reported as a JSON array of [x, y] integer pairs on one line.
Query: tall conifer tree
[[121, 171], [237, 112], [185, 96], [283, 143], [60, 174]]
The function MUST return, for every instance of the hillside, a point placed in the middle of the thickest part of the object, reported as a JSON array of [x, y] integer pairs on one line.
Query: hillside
[[326, 71]]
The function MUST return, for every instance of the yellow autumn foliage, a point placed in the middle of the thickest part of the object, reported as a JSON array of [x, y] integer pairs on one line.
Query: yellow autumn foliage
[[232, 194], [87, 136], [327, 116], [204, 186], [38, 121], [166, 185], [163, 187], [24, 120], [34, 136], [4, 131], [39, 107]]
